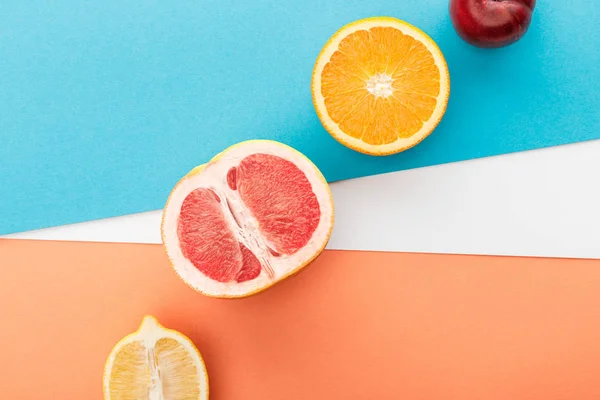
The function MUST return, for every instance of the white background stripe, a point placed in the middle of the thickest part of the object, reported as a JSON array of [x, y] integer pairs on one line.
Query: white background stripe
[[537, 203]]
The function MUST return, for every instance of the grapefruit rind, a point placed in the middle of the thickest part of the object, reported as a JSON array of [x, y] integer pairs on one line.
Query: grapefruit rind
[[284, 266], [401, 144], [150, 331]]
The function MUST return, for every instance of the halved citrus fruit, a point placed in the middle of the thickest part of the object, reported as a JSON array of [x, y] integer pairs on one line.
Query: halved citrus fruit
[[255, 214], [380, 85], [155, 363]]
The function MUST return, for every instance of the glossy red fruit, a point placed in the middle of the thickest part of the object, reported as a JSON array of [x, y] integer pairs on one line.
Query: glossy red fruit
[[491, 23]]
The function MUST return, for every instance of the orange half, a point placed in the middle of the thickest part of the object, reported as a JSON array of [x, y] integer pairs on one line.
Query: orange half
[[380, 85]]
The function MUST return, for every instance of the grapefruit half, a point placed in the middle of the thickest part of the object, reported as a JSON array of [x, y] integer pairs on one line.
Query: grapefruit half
[[255, 214]]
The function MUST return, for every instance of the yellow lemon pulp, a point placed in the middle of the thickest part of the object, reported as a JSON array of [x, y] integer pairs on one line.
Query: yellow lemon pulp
[[155, 363], [380, 85]]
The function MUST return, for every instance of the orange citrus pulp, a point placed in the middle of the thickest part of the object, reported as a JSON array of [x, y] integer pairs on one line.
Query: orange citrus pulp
[[380, 85]]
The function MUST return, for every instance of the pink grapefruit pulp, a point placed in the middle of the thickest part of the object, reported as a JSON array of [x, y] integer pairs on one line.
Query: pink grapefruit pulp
[[255, 214]]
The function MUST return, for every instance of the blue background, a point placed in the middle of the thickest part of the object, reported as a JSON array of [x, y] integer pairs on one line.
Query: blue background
[[105, 104]]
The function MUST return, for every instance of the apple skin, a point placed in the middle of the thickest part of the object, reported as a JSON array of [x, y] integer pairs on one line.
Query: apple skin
[[491, 23]]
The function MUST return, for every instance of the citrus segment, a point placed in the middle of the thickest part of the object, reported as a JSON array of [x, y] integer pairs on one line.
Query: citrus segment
[[255, 214], [130, 375], [380, 85], [202, 224], [155, 363], [250, 265], [280, 197], [200, 227], [177, 369]]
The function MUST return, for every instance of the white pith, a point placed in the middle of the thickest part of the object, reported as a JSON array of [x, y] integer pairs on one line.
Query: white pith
[[214, 176], [149, 333], [380, 85], [236, 213], [332, 46]]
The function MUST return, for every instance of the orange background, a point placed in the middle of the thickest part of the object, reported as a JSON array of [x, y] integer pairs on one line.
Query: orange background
[[353, 325]]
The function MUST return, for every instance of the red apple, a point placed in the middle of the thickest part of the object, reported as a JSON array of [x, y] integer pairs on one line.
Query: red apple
[[491, 23]]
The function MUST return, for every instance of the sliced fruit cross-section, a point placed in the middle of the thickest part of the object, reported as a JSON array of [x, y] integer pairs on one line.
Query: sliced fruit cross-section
[[155, 363], [256, 213], [380, 85]]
